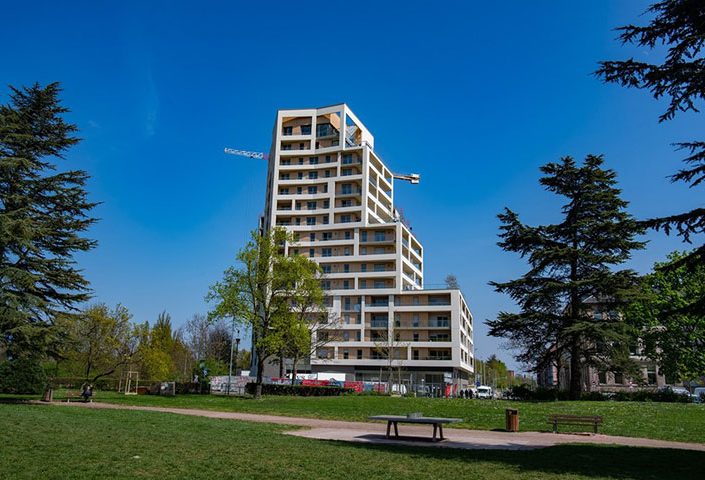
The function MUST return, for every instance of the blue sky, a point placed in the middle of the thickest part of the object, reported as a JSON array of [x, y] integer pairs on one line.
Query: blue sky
[[473, 96]]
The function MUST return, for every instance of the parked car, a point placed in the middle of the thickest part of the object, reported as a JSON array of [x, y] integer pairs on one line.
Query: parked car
[[698, 395], [484, 391]]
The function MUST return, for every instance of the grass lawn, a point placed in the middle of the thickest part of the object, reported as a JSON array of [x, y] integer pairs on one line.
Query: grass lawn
[[663, 421], [41, 441]]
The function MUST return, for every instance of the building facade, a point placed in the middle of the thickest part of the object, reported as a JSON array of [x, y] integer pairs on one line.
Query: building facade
[[327, 185], [557, 374]]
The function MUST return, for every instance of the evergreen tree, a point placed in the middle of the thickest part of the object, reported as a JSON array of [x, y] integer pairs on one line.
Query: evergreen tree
[[570, 263], [43, 214], [680, 78]]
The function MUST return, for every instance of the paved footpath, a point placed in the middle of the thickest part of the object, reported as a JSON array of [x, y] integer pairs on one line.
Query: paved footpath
[[368, 432]]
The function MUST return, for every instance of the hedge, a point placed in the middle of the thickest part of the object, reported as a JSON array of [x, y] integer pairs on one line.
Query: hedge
[[300, 390], [523, 392], [23, 375]]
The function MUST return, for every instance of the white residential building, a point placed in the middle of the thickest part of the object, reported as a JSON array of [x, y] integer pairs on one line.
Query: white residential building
[[328, 186]]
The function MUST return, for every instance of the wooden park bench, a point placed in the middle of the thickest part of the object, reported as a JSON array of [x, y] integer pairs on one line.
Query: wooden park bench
[[76, 396], [587, 420], [437, 423]]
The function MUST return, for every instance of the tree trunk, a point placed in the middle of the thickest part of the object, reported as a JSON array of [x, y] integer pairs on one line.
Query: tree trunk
[[281, 366], [294, 361], [258, 381], [575, 372]]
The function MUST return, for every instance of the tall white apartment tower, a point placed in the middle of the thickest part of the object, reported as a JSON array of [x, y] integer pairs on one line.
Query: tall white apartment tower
[[327, 185]]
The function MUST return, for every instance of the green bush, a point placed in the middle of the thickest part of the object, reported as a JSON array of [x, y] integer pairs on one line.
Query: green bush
[[23, 376], [524, 392], [299, 390]]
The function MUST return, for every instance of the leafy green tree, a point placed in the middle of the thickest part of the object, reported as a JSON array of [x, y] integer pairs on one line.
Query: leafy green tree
[[100, 341], [43, 214], [678, 77], [671, 334], [570, 262], [258, 293]]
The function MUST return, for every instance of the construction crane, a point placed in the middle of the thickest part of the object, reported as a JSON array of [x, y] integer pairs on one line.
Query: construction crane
[[413, 178], [245, 153]]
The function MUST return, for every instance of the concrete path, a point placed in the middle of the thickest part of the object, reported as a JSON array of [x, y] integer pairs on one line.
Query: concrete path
[[417, 436]]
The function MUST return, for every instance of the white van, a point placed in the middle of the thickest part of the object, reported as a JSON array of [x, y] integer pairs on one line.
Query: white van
[[484, 391]]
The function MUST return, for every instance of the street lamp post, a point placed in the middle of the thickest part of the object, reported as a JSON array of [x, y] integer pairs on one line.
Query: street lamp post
[[230, 368]]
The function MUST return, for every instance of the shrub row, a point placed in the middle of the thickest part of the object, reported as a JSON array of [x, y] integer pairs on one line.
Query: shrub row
[[523, 392], [301, 390], [22, 376]]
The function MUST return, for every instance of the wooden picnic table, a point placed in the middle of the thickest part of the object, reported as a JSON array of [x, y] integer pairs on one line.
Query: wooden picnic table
[[437, 423]]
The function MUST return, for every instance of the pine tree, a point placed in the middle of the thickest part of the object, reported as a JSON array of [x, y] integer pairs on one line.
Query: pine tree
[[42, 216], [680, 78], [570, 263]]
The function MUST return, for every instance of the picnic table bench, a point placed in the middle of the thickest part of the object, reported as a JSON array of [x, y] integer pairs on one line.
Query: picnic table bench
[[593, 420], [437, 423]]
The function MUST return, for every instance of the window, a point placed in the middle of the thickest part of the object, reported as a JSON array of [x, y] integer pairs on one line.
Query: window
[[326, 268], [325, 219], [346, 203], [363, 250], [284, 191], [346, 172], [380, 284], [359, 354], [299, 190], [416, 337], [286, 162], [415, 354], [345, 218], [380, 237], [347, 235], [325, 252], [415, 320], [346, 251], [363, 267], [300, 175], [358, 336], [327, 235], [305, 129], [310, 220], [379, 250], [287, 130], [312, 190], [327, 173], [313, 160], [284, 176], [363, 283], [346, 267], [602, 377], [311, 252], [346, 285], [311, 205], [327, 158], [301, 146], [651, 375], [379, 267], [347, 159], [312, 175], [345, 353], [326, 285], [286, 147], [301, 160], [619, 378], [363, 237], [346, 188]]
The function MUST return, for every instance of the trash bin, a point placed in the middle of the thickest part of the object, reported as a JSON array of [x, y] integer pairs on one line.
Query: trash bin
[[48, 395], [512, 417]]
